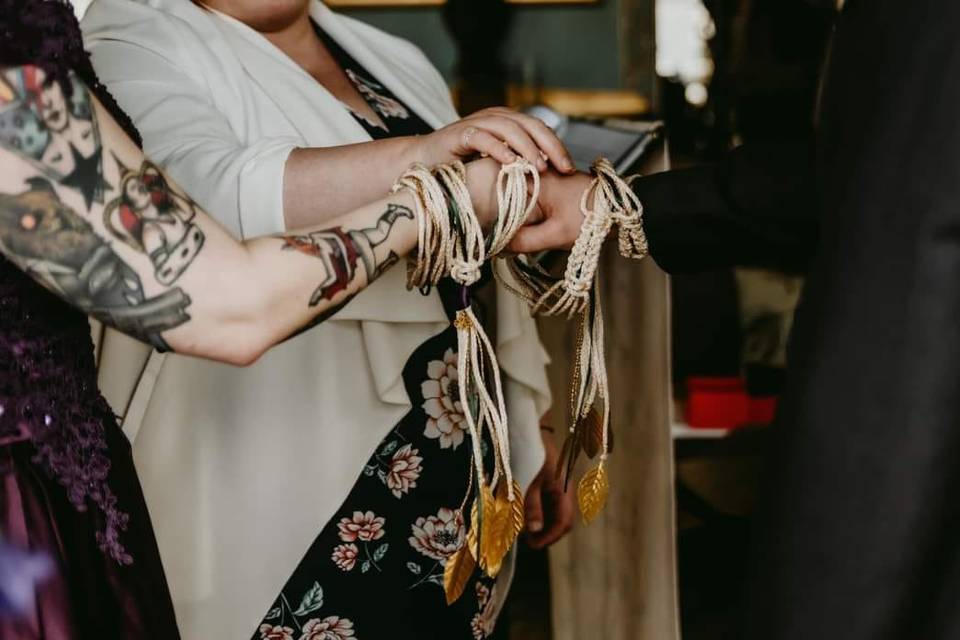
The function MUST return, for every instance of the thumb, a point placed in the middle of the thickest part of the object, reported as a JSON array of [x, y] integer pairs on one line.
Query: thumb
[[533, 507]]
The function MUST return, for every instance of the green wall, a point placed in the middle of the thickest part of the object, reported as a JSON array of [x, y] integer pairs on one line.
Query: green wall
[[556, 46]]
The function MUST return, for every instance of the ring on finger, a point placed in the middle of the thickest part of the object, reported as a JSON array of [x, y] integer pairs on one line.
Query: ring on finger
[[467, 134]]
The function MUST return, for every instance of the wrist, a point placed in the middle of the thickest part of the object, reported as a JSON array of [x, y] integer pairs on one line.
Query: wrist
[[482, 185], [412, 151]]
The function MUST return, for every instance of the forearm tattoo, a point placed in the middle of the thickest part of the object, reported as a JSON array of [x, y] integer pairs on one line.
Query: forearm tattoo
[[154, 219], [52, 124], [80, 255], [342, 251], [52, 243]]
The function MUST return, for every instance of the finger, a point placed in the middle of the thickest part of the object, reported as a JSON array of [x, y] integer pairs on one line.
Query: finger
[[545, 138], [550, 234], [486, 143], [559, 516], [533, 507], [516, 137]]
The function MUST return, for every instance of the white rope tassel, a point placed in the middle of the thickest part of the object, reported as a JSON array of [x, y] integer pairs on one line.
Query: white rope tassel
[[464, 346], [466, 252], [454, 245], [433, 226], [598, 368], [515, 202], [571, 295], [625, 207], [475, 350]]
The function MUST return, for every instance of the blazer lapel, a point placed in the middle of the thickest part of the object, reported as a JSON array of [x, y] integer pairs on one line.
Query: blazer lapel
[[389, 63], [311, 110]]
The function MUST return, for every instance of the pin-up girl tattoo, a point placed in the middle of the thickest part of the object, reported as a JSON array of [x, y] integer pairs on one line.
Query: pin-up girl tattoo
[[51, 122], [156, 220]]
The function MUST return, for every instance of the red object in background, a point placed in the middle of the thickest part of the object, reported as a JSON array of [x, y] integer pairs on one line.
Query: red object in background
[[723, 403], [716, 403], [761, 409]]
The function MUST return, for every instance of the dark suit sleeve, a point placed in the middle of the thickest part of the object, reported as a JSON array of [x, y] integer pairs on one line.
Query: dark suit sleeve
[[755, 208]]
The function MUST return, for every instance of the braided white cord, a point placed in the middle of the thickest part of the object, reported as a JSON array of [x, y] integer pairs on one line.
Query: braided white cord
[[515, 202], [465, 344], [599, 369], [570, 295], [613, 203], [433, 226], [466, 253], [626, 209], [460, 250], [416, 269]]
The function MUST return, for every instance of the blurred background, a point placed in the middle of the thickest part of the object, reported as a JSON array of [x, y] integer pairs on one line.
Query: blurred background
[[696, 362]]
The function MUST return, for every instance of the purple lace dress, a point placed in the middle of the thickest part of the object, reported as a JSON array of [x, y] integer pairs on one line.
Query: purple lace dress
[[67, 482]]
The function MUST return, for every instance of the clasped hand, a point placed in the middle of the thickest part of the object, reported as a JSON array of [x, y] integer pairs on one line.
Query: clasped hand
[[556, 222]]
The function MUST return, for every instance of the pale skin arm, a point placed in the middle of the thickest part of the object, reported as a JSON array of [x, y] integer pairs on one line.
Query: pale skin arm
[[208, 295], [345, 177]]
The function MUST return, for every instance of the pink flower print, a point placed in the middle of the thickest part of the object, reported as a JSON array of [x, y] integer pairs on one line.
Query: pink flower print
[[330, 628], [270, 632], [345, 556], [363, 526], [404, 470], [441, 395], [438, 537]]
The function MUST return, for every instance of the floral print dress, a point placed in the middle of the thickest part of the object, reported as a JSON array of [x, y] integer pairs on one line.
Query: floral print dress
[[376, 569]]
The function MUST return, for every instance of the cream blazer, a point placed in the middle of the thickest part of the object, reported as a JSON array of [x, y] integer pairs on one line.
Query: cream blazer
[[242, 468]]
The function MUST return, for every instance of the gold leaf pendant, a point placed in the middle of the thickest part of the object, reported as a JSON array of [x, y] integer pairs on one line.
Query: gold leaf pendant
[[592, 493], [516, 512], [502, 521], [457, 573]]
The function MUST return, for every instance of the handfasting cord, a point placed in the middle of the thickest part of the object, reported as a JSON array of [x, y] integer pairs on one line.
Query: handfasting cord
[[608, 202], [451, 243]]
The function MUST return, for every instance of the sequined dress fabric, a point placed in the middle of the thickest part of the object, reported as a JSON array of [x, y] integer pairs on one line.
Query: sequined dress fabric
[[68, 487]]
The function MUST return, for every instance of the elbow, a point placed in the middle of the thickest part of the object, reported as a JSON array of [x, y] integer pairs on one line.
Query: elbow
[[245, 355], [251, 339], [248, 334]]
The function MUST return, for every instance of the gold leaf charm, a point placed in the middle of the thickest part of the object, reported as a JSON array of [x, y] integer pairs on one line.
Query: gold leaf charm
[[591, 425], [457, 573], [513, 511], [500, 528], [592, 493], [485, 527]]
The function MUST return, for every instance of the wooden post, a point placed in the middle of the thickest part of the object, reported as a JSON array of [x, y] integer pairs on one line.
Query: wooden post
[[616, 579]]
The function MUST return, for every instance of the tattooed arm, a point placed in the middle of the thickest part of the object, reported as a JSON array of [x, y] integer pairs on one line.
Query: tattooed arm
[[86, 215]]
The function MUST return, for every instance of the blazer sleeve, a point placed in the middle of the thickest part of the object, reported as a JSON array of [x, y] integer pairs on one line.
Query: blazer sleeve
[[183, 130], [756, 208]]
